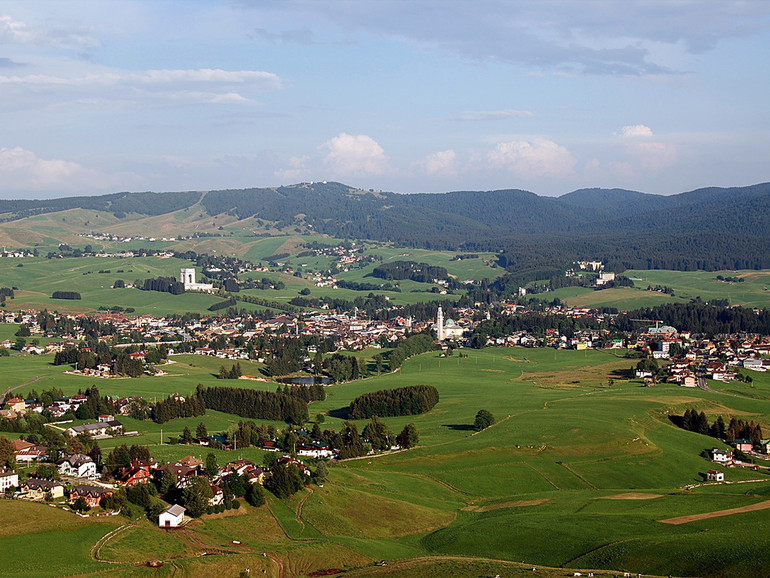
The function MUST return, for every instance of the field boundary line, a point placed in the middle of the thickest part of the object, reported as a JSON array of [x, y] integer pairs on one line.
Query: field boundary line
[[717, 514], [577, 475]]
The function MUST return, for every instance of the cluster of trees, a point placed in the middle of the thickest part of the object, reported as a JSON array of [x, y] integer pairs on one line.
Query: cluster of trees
[[483, 420], [65, 295], [357, 286], [420, 272], [233, 373], [173, 407], [285, 480], [219, 305], [406, 348], [163, 285], [409, 400], [253, 403], [697, 422], [343, 367]]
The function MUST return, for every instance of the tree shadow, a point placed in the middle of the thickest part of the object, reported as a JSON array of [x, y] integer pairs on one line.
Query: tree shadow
[[459, 426], [677, 420], [622, 373], [341, 413]]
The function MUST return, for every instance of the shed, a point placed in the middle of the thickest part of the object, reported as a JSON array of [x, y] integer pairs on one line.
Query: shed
[[171, 517]]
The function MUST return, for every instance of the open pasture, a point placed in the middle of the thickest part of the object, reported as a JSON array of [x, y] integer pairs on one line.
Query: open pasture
[[533, 487]]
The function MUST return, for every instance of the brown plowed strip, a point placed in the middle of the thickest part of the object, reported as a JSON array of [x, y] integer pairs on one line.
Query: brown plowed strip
[[515, 504], [632, 496], [694, 518]]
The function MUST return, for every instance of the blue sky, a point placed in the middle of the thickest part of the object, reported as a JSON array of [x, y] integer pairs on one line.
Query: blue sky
[[400, 95]]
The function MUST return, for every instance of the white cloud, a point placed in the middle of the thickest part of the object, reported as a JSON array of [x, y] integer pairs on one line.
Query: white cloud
[[636, 130], [22, 170], [530, 159], [439, 164], [296, 170], [253, 78], [654, 155], [355, 154], [14, 31]]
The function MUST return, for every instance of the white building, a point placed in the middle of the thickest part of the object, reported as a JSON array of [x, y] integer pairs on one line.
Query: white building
[[8, 479], [77, 465], [187, 277], [171, 517]]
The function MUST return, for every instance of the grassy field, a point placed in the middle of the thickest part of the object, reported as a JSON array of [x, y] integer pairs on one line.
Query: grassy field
[[753, 291], [576, 473]]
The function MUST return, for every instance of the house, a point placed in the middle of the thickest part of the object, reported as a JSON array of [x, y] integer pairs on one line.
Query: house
[[34, 489], [132, 473], [315, 450], [171, 517], [190, 462], [77, 465], [16, 404], [91, 494], [8, 479], [217, 497], [27, 452], [744, 445], [715, 476], [722, 456], [183, 474]]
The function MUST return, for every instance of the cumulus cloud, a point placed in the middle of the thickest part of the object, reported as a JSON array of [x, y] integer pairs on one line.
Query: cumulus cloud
[[635, 130], [355, 154], [23, 170], [14, 31], [654, 155], [296, 170], [439, 164], [532, 159]]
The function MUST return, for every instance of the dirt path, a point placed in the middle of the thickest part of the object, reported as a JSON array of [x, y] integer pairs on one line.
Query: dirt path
[[278, 561], [695, 517], [97, 547], [10, 390], [299, 508]]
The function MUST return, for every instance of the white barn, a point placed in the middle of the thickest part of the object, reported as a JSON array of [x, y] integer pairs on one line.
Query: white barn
[[171, 517]]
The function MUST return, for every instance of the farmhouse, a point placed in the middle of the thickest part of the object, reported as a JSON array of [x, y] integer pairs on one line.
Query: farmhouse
[[722, 456], [171, 517], [715, 476]]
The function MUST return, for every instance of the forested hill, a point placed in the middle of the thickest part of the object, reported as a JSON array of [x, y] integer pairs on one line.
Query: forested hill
[[710, 228]]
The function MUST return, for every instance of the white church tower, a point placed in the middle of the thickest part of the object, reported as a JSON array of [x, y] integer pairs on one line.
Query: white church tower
[[440, 324]]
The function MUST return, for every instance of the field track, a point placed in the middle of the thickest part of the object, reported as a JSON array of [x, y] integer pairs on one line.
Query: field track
[[695, 517]]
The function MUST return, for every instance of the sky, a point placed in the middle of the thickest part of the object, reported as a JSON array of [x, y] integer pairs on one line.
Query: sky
[[659, 96]]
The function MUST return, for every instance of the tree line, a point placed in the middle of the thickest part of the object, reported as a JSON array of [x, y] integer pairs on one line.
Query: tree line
[[253, 403], [409, 400]]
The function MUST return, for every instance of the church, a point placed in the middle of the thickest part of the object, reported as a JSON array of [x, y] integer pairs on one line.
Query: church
[[187, 277]]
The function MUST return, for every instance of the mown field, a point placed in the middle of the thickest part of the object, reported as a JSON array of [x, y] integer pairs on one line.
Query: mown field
[[576, 473], [753, 291]]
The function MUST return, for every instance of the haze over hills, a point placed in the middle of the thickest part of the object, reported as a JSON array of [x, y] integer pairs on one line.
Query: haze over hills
[[709, 228]]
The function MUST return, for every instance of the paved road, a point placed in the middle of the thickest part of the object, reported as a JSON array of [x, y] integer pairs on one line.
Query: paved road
[[702, 379]]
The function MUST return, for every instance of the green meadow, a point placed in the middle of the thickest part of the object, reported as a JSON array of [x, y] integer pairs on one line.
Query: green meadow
[[575, 474]]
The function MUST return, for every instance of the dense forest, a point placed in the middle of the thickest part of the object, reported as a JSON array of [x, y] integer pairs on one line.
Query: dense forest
[[706, 229], [409, 400], [255, 404]]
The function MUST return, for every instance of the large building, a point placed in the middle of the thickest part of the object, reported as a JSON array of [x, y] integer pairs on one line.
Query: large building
[[187, 276]]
